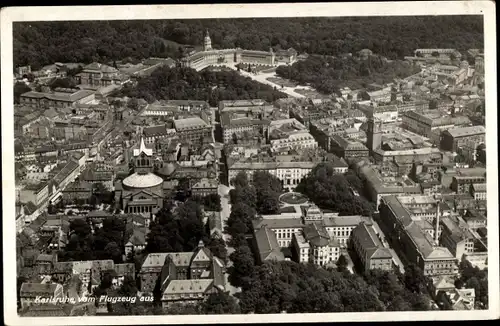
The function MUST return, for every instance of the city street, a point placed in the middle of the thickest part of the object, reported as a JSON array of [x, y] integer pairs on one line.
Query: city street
[[262, 78], [224, 215], [382, 237]]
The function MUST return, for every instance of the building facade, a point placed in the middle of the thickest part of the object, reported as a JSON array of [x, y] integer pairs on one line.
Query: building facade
[[368, 247], [453, 139]]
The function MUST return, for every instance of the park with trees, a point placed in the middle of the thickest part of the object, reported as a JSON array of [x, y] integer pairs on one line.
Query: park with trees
[[188, 84], [43, 43], [328, 74], [331, 191]]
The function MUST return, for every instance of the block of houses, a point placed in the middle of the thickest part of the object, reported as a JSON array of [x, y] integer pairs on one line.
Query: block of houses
[[191, 277], [30, 291], [456, 299], [478, 191], [136, 241], [78, 192], [35, 193], [215, 225], [205, 187], [121, 271], [324, 249], [183, 276]]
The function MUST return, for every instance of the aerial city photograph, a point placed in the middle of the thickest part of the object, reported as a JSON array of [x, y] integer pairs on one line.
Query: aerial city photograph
[[250, 165]]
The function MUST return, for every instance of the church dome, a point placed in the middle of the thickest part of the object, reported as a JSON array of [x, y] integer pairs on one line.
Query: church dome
[[147, 180]]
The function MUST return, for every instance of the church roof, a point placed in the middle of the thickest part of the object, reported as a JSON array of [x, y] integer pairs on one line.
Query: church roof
[[143, 149], [137, 180]]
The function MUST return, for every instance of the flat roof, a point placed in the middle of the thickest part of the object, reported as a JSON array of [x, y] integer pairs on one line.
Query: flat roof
[[189, 123]]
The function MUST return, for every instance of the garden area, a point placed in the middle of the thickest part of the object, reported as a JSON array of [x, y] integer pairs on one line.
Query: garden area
[[281, 81], [309, 93], [293, 198]]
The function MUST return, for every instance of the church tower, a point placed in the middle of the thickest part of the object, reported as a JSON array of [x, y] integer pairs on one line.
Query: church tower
[[374, 134], [207, 42], [143, 159]]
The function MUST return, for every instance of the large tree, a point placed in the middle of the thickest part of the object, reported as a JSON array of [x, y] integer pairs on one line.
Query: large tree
[[220, 303], [178, 229], [330, 190], [243, 266], [20, 88]]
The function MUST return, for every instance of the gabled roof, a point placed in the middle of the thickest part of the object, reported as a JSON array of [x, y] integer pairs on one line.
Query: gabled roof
[[267, 245], [95, 66], [138, 237], [143, 149], [35, 289], [188, 286], [379, 253], [202, 254], [125, 269], [181, 258]]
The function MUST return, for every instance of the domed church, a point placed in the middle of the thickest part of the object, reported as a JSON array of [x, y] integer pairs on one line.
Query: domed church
[[143, 190]]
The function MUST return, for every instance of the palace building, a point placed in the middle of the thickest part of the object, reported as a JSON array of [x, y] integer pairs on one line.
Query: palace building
[[221, 57]]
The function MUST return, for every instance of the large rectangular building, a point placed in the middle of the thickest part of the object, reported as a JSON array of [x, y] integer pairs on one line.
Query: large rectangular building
[[410, 236], [425, 122], [371, 252], [453, 139], [59, 98], [193, 129], [290, 173]]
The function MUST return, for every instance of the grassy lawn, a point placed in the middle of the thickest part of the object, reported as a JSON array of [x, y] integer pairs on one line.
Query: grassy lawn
[[293, 198], [244, 66], [280, 81], [309, 93], [268, 71]]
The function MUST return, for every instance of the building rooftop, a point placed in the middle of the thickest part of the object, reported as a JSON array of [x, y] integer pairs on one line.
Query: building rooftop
[[61, 95], [348, 220], [155, 131], [317, 235], [37, 289], [466, 131], [138, 180], [188, 286], [36, 187], [143, 149], [206, 183], [479, 187], [189, 123], [154, 260], [277, 222], [267, 244], [419, 237], [95, 66]]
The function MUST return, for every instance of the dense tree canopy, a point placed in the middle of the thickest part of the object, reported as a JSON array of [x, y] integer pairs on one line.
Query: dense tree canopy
[[210, 202], [42, 43], [180, 230], [299, 288], [20, 88], [176, 230], [88, 242], [188, 84], [328, 74], [262, 193], [62, 83], [330, 190], [394, 294]]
